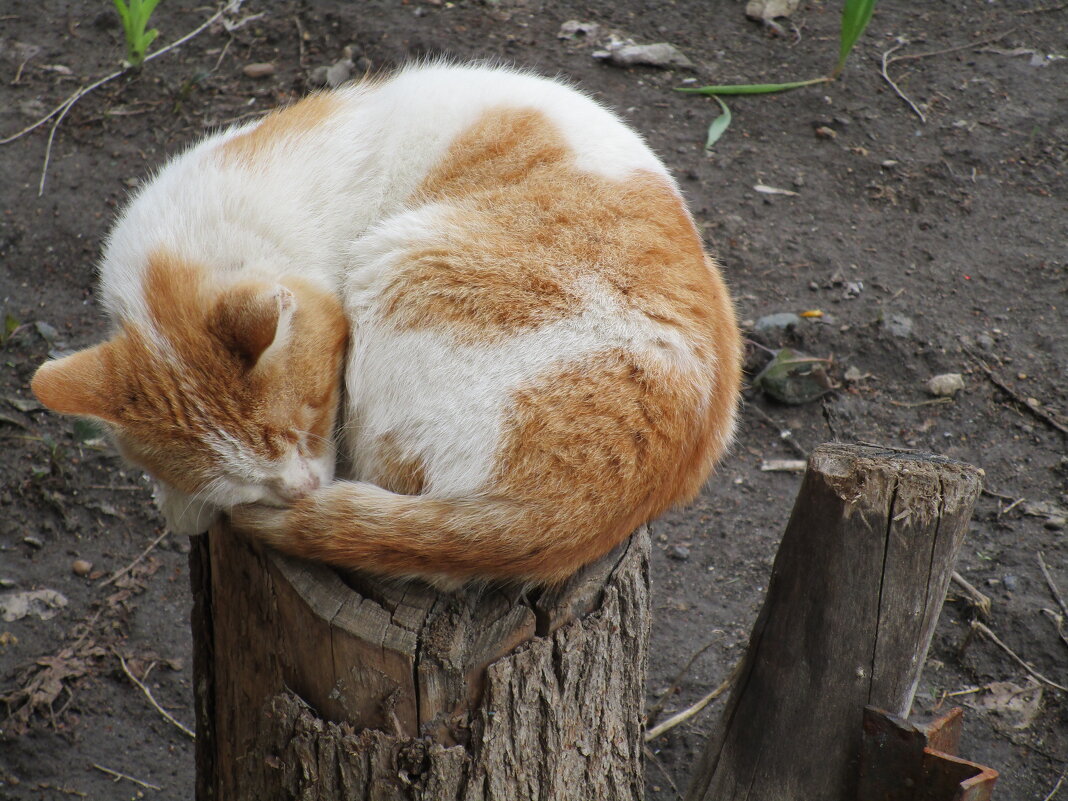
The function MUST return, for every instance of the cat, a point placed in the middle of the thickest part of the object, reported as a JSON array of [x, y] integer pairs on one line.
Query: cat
[[472, 292]]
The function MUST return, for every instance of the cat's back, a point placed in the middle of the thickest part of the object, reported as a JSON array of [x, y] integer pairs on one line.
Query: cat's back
[[544, 257]]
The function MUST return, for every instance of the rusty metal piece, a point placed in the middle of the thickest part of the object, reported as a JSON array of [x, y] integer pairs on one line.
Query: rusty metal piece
[[902, 761]]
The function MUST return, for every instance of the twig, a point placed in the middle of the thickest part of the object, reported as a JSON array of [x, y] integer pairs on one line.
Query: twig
[[1058, 623], [120, 573], [222, 55], [675, 682], [656, 761], [1010, 507], [1022, 401], [61, 789], [1060, 781], [1061, 7], [1052, 587], [686, 714], [958, 48], [119, 775], [917, 404], [785, 434], [300, 40], [66, 105], [985, 631], [887, 61], [897, 89], [148, 694], [993, 494], [979, 601]]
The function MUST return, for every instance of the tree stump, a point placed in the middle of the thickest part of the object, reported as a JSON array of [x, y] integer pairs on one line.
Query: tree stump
[[851, 607], [317, 685]]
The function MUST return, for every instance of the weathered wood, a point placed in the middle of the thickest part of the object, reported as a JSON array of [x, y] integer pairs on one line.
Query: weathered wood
[[317, 685], [851, 607]]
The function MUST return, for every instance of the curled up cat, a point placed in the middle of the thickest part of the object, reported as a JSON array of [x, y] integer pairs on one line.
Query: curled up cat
[[455, 324]]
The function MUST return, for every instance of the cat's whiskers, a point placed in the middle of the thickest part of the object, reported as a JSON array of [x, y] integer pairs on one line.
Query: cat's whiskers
[[195, 497]]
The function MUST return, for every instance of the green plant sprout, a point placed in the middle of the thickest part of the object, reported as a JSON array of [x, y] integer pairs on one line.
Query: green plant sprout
[[134, 16], [856, 14]]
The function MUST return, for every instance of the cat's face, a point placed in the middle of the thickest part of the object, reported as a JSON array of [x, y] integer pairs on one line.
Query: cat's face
[[225, 393]]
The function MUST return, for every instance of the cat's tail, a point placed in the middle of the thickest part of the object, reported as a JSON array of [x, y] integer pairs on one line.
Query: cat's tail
[[447, 541]]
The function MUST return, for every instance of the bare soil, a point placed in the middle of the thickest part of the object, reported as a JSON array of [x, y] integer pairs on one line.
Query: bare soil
[[929, 246]]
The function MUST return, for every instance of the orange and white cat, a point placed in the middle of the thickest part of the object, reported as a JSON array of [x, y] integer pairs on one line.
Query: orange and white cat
[[485, 276]]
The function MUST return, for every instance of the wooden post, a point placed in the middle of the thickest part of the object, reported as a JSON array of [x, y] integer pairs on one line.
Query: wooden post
[[851, 607], [311, 684]]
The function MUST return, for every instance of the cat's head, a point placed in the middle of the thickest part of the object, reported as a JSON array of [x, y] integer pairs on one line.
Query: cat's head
[[225, 393]]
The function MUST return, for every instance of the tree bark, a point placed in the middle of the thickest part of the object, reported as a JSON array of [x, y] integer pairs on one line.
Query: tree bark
[[854, 596], [312, 684]]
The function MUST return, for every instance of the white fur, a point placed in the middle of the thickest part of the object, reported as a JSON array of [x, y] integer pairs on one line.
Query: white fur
[[333, 207]]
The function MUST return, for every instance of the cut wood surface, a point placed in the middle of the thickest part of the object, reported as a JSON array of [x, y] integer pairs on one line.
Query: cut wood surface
[[851, 607], [312, 684]]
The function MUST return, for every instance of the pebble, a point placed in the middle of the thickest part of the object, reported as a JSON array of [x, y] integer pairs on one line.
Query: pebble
[[34, 542], [1010, 583], [782, 321], [5, 583], [946, 385], [823, 132], [259, 70], [1056, 523], [898, 325], [680, 553], [81, 567], [659, 54], [985, 341]]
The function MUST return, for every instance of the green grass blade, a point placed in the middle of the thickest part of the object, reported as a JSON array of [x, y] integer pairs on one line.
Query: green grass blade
[[856, 14], [750, 88], [124, 13], [719, 125]]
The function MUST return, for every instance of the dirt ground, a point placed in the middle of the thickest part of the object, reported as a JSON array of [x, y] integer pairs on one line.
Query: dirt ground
[[930, 246]]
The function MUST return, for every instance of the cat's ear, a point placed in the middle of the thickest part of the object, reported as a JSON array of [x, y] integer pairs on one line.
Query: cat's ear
[[78, 384], [254, 321]]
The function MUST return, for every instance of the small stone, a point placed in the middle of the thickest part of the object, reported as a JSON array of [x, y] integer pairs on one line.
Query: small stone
[[317, 77], [680, 553], [7, 583], [985, 341], [47, 331], [761, 10], [1009, 583], [339, 72], [1056, 523], [946, 385], [575, 29], [259, 70], [659, 54], [782, 321], [823, 132], [81, 567], [898, 325], [33, 542]]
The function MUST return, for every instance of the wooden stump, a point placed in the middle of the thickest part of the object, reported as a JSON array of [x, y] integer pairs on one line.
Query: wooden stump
[[312, 684], [854, 596]]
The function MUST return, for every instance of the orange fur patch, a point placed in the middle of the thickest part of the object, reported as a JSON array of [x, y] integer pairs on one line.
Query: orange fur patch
[[530, 226], [279, 127], [397, 471]]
